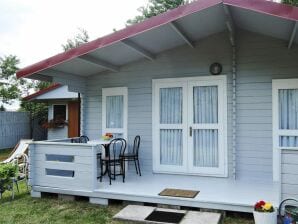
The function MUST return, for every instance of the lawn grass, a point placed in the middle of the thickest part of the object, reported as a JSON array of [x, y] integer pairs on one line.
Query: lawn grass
[[4, 153], [50, 210]]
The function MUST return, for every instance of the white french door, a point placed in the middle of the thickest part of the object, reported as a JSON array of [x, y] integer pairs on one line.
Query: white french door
[[206, 124], [285, 119], [189, 122]]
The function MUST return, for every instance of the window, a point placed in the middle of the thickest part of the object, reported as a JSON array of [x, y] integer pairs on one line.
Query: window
[[114, 111], [59, 112]]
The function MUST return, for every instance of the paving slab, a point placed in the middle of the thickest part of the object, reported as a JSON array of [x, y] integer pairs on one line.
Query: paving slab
[[136, 213]]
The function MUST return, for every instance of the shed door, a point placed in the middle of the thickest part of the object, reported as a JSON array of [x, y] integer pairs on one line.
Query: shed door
[[73, 119], [189, 121], [206, 123]]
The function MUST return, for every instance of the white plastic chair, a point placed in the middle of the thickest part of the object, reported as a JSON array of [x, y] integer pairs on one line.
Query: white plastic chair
[[20, 149]]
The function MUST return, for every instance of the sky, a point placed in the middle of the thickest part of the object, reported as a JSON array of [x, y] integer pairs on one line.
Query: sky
[[35, 29]]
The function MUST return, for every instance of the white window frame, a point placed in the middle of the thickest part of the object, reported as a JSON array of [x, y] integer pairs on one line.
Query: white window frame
[[278, 84], [221, 82], [115, 91], [52, 112]]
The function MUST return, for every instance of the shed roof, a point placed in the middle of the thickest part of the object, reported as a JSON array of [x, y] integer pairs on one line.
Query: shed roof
[[185, 24], [53, 92]]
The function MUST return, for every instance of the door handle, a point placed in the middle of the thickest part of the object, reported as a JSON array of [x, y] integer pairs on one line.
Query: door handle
[[190, 131]]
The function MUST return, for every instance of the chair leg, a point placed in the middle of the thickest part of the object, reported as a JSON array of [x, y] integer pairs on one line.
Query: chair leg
[[101, 170], [123, 170], [136, 166], [114, 171], [27, 184], [139, 167], [12, 191], [16, 182], [109, 173]]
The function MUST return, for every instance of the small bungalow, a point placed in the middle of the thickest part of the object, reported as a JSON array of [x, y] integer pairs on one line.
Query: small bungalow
[[212, 89], [63, 111]]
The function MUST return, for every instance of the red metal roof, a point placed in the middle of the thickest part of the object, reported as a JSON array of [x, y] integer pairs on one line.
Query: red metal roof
[[40, 92], [261, 6]]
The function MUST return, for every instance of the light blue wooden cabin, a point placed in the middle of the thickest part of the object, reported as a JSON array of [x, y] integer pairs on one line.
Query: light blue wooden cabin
[[232, 136]]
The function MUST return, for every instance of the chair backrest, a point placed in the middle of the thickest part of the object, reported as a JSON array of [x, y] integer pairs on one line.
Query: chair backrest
[[117, 148], [81, 139], [20, 148], [22, 161], [84, 139], [136, 145]]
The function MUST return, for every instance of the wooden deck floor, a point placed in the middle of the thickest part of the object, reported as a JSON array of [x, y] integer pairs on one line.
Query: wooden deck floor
[[215, 193]]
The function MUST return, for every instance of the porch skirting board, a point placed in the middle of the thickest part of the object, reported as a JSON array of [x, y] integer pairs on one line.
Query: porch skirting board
[[216, 193], [99, 201]]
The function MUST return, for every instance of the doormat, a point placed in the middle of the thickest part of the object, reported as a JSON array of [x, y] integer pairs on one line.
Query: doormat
[[179, 193], [163, 216]]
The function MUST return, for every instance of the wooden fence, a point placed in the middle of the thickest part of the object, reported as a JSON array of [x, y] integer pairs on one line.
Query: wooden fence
[[13, 127]]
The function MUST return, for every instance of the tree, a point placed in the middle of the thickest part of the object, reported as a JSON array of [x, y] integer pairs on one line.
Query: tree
[[10, 87], [81, 38], [290, 2], [155, 7]]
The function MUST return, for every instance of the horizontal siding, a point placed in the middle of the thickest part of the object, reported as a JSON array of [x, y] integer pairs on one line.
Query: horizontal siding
[[260, 59], [83, 167], [289, 174], [180, 62]]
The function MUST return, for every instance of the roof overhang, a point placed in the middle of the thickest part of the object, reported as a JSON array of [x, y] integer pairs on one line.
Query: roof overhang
[[184, 25], [52, 93]]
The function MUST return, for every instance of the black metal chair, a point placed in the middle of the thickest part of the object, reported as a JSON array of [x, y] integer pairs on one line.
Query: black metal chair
[[114, 159], [134, 155], [84, 139], [81, 139]]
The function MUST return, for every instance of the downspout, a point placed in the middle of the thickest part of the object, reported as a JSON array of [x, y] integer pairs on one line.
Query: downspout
[[234, 109]]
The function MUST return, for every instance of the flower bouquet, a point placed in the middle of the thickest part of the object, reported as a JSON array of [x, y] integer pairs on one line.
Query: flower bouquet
[[107, 136], [264, 212]]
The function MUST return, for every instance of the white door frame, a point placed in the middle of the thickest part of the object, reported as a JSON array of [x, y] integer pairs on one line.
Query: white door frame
[[157, 84], [220, 126], [278, 84], [221, 81]]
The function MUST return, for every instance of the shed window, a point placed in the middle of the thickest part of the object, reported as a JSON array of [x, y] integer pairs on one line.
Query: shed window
[[59, 112], [114, 111]]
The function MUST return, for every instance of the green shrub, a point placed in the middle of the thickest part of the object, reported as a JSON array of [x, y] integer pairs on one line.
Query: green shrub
[[7, 172]]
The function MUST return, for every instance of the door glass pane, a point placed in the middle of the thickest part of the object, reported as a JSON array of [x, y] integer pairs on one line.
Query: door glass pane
[[205, 146], [171, 147], [114, 112], [288, 108], [205, 104], [170, 105], [288, 141]]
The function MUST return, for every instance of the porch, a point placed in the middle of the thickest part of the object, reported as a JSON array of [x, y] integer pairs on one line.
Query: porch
[[215, 193]]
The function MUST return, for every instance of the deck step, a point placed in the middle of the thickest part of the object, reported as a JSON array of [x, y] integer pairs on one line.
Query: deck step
[[137, 213]]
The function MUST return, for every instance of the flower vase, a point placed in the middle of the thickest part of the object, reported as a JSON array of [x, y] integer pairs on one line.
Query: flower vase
[[265, 217]]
